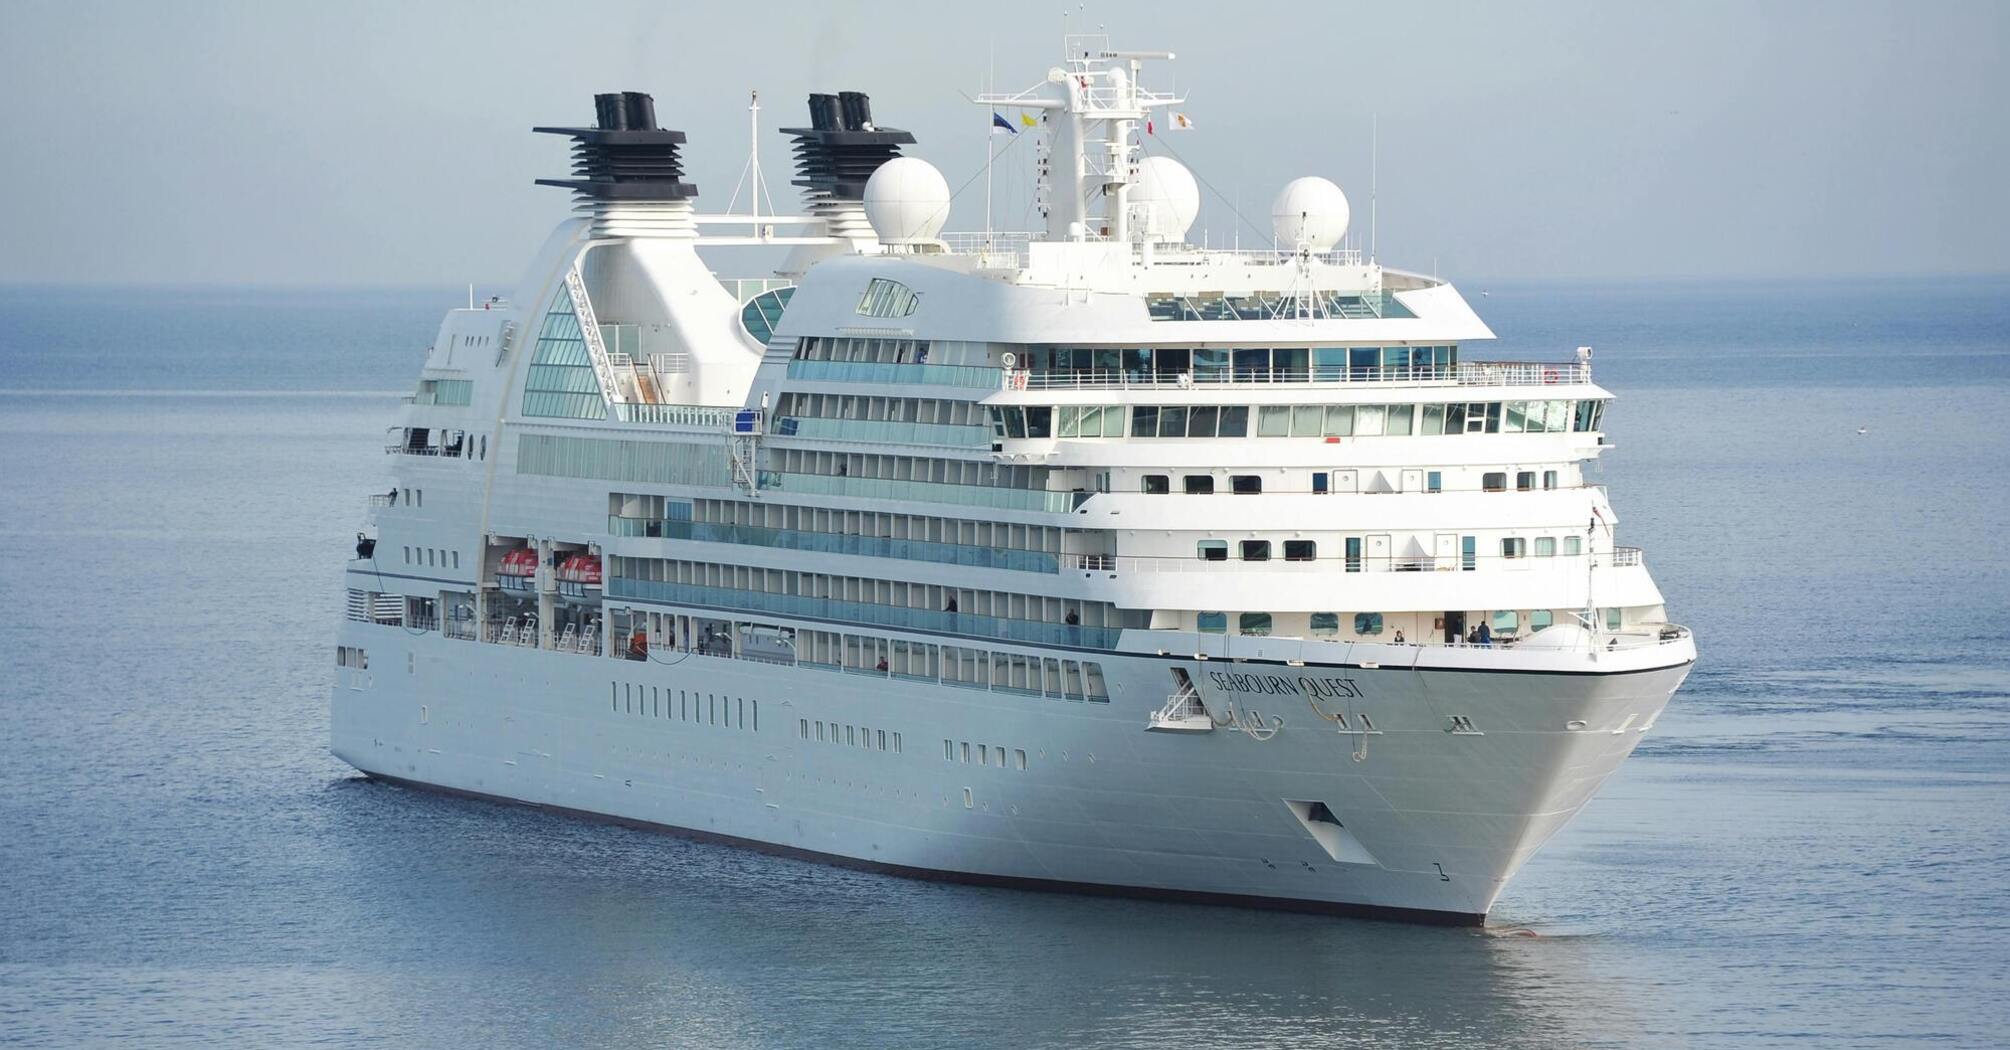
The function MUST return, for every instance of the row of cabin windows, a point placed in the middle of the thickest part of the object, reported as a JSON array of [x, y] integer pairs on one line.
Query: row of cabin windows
[[1308, 550], [984, 755], [1203, 484], [1258, 550], [1252, 484], [1310, 421], [848, 735], [1524, 480], [432, 558], [732, 712], [1246, 363], [1326, 624]]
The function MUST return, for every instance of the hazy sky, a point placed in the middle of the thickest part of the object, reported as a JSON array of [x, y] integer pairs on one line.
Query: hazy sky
[[388, 143]]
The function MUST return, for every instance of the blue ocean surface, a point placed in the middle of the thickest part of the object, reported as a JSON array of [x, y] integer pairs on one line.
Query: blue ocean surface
[[1812, 848]]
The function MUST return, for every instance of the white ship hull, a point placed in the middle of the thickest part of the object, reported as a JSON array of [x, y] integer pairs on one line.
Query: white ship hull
[[1430, 823]]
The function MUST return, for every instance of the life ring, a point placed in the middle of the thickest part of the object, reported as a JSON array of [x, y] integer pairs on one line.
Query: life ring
[[1018, 380], [1549, 377]]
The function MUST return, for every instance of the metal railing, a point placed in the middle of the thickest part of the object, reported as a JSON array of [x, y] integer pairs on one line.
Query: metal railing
[[865, 613], [1462, 374], [975, 376], [713, 416], [833, 543]]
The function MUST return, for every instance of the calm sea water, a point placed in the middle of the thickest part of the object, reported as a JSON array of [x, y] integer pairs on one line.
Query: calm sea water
[[1813, 847]]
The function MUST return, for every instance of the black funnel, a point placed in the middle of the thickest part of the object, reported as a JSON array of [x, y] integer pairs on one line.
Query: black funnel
[[836, 153], [857, 109], [608, 113], [641, 110], [825, 113]]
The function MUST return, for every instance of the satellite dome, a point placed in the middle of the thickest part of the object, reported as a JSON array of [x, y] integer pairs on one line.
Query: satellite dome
[[1169, 195], [1311, 211], [906, 200]]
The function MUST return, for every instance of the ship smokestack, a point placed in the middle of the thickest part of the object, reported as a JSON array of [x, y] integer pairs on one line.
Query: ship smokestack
[[626, 171], [836, 154]]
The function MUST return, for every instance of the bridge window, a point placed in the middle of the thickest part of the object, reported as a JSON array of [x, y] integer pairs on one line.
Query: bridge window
[[884, 298]]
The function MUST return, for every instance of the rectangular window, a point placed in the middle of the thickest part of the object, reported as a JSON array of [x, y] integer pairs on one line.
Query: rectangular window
[[1469, 553], [1308, 421], [1254, 623], [1368, 420], [1514, 547], [1212, 622], [1434, 481], [1353, 554], [1612, 619], [1319, 483], [1255, 550], [1573, 545], [1200, 484], [1300, 550], [1400, 419], [1545, 546], [1339, 420], [1019, 756], [1234, 421], [1273, 421], [1246, 484], [1325, 625], [1549, 479], [1144, 421], [1157, 484], [1494, 481], [1524, 481], [1212, 550], [1433, 421], [1367, 623]]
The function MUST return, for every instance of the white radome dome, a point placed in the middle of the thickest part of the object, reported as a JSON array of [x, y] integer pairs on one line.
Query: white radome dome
[[1310, 211], [906, 200], [1170, 195]]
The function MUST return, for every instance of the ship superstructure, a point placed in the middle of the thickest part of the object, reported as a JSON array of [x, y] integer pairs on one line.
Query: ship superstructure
[[1084, 558]]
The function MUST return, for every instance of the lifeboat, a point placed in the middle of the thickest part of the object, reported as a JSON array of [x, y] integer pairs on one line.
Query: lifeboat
[[518, 568], [579, 576]]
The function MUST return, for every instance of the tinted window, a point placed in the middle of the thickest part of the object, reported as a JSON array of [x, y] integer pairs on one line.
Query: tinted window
[[1247, 484], [1157, 484], [1300, 550], [1199, 484]]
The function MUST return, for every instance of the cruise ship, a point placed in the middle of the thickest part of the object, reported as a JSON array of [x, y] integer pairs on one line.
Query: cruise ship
[[1085, 559]]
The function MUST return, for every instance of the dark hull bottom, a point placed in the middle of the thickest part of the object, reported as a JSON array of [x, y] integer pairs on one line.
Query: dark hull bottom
[[1420, 916]]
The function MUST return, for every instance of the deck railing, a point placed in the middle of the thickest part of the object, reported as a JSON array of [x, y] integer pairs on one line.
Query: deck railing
[[1462, 374]]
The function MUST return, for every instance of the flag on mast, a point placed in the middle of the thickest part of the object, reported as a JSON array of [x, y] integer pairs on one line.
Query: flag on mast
[[1027, 119], [1182, 122], [998, 121]]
